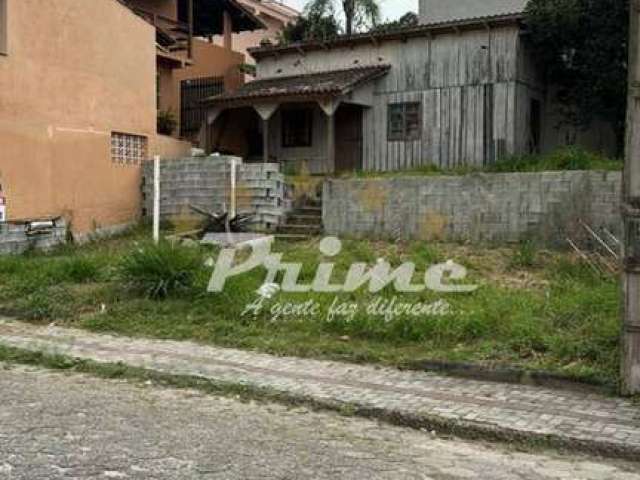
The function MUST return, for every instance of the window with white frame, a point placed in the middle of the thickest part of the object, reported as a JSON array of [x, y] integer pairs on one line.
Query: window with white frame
[[404, 121], [4, 26], [128, 149]]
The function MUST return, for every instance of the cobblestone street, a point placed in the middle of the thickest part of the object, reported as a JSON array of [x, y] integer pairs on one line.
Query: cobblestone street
[[588, 421], [59, 426]]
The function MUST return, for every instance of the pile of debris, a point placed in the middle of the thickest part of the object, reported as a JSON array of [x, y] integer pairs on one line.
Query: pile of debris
[[19, 236]]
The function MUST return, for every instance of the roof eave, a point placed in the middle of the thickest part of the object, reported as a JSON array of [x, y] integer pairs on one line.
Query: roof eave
[[280, 97], [399, 34]]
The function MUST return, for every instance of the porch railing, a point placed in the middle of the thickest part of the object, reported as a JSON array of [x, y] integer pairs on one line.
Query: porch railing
[[172, 34]]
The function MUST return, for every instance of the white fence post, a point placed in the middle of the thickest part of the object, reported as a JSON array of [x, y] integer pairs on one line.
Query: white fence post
[[233, 207], [156, 199]]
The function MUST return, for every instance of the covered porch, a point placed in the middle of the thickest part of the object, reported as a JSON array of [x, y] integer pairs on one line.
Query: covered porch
[[311, 123]]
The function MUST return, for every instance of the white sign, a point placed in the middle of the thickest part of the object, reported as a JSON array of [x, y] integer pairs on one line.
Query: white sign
[[377, 276]]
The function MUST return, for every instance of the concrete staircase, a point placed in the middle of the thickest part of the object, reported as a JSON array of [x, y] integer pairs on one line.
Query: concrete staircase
[[305, 221]]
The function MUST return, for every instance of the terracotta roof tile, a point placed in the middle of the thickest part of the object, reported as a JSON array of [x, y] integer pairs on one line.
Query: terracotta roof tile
[[331, 83], [438, 11], [374, 38]]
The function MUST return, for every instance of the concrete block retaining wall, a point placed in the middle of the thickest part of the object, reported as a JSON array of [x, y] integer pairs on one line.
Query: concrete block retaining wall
[[206, 182], [509, 207], [14, 238]]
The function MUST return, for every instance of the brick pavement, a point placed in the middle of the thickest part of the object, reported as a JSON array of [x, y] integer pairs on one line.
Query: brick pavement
[[585, 421]]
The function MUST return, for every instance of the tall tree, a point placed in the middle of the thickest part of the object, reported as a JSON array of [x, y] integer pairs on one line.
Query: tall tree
[[359, 14], [409, 19], [310, 27], [582, 46]]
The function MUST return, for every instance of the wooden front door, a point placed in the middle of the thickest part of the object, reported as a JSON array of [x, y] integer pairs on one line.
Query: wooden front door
[[348, 138]]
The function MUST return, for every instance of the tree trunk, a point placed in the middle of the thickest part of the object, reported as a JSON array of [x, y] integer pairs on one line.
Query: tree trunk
[[349, 11]]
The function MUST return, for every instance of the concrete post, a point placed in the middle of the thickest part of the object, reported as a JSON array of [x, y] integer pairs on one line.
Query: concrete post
[[630, 368], [156, 199], [233, 200]]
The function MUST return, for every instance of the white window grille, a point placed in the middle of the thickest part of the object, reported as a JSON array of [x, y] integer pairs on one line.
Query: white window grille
[[128, 149]]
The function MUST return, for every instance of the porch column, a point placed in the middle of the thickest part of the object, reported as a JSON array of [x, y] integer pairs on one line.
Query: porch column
[[331, 143], [265, 140], [266, 111], [329, 107], [227, 31], [205, 135], [190, 21]]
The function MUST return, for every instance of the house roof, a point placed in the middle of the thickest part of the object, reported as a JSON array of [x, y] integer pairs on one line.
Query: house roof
[[276, 10], [438, 11], [208, 20], [313, 85], [374, 38]]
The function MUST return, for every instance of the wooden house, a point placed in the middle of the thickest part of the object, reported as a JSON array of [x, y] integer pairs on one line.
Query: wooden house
[[460, 89]]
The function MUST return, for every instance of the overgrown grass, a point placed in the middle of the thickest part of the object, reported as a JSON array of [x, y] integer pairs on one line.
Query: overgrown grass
[[534, 309], [567, 158], [524, 255], [161, 270]]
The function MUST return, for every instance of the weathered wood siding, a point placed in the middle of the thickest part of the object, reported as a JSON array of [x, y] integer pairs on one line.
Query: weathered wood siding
[[307, 159], [468, 84]]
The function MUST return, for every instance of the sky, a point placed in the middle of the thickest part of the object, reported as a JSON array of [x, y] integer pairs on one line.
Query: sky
[[391, 9]]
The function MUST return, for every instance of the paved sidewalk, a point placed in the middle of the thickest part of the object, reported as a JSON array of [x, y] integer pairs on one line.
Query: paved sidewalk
[[581, 421]]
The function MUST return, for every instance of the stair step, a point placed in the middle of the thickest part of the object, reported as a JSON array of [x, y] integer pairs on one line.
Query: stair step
[[288, 237], [313, 220], [307, 211], [300, 229]]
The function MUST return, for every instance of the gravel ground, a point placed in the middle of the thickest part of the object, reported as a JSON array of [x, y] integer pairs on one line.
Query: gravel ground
[[60, 426]]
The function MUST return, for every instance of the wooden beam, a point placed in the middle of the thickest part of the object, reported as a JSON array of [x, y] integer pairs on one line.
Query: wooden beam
[[266, 110], [227, 30], [329, 107], [190, 21], [331, 143], [265, 140]]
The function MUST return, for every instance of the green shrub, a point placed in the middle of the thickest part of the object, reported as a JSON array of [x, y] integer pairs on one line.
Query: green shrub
[[524, 256], [161, 270], [567, 158], [167, 122]]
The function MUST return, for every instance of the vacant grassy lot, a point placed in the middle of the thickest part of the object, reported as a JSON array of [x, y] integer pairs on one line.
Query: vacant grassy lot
[[534, 309]]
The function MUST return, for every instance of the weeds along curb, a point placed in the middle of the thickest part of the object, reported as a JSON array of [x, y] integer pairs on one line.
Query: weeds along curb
[[516, 376], [528, 441]]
